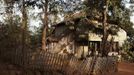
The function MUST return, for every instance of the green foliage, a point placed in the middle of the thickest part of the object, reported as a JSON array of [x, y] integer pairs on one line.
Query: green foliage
[[128, 52], [35, 38], [11, 36], [117, 12], [94, 7]]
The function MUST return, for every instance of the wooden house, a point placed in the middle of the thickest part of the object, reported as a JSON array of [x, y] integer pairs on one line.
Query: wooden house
[[82, 37]]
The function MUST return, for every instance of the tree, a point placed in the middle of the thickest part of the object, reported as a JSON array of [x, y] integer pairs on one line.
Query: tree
[[45, 22], [44, 5], [114, 12], [52, 8], [24, 26], [105, 24], [131, 6]]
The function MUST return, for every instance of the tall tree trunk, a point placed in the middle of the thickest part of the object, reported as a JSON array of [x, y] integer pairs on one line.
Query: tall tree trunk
[[105, 34], [44, 34], [24, 26]]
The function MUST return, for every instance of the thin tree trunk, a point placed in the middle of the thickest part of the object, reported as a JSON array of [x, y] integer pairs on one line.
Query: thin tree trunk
[[24, 27], [44, 34], [105, 34]]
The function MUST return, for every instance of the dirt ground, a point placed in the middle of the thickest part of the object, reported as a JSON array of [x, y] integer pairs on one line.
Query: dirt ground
[[125, 68]]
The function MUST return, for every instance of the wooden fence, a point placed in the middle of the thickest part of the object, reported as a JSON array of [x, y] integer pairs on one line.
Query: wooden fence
[[46, 63]]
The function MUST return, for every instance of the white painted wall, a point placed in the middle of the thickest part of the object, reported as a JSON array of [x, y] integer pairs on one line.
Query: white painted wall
[[120, 37]]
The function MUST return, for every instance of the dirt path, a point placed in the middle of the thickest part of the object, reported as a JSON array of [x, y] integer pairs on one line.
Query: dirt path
[[126, 68]]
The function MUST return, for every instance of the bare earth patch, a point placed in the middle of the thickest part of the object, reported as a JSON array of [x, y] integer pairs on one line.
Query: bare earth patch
[[125, 68]]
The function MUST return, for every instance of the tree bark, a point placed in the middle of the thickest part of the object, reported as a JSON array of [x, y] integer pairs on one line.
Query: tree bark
[[45, 28], [24, 26], [105, 34]]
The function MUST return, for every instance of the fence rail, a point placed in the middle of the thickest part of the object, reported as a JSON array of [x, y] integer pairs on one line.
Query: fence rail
[[54, 64]]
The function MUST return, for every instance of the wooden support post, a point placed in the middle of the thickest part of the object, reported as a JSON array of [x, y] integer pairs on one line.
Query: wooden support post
[[83, 49], [88, 48]]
